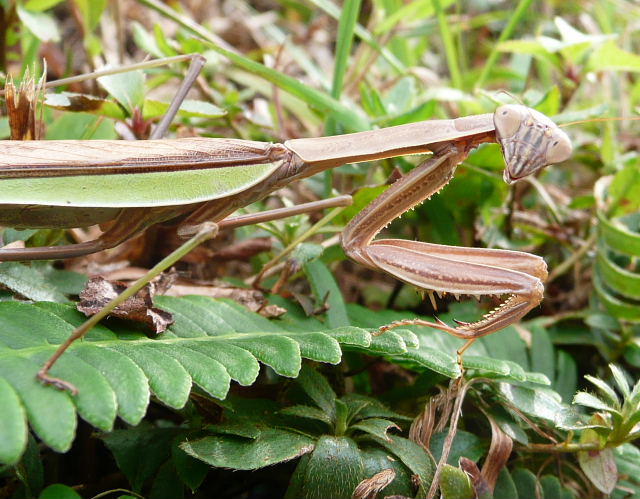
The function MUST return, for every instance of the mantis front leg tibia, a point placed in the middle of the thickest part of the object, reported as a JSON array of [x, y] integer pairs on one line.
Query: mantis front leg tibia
[[459, 271]]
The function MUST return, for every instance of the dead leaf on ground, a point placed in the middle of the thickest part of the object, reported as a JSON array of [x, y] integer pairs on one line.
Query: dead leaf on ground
[[139, 308]]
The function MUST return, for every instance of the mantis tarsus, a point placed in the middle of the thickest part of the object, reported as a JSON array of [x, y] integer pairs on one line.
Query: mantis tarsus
[[71, 183]]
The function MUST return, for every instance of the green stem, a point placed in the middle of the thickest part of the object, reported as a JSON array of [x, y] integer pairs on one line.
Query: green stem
[[522, 7], [449, 46]]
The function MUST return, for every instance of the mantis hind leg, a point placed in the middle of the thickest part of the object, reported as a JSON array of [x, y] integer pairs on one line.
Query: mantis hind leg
[[130, 222]]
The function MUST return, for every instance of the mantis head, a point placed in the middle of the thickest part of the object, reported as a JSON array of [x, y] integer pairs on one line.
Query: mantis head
[[529, 141]]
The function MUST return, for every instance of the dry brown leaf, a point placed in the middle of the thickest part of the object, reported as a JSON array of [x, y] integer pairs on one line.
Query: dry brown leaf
[[498, 455], [139, 308], [369, 487]]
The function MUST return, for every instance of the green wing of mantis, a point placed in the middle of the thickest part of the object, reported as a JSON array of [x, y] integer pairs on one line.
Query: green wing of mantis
[[158, 173]]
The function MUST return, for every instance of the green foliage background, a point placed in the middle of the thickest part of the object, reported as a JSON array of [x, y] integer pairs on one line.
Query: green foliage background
[[311, 405]]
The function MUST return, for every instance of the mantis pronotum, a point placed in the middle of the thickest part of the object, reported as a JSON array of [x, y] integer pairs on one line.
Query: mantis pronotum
[[71, 183]]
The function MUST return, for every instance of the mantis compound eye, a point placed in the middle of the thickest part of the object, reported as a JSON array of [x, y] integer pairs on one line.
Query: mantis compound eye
[[529, 141], [507, 120], [559, 149]]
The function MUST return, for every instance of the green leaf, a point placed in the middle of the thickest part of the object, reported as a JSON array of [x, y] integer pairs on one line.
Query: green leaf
[[188, 109], [40, 24], [190, 470], [346, 25], [211, 343], [618, 236], [598, 465], [334, 469], [39, 5], [588, 400], [375, 426], [608, 393], [51, 413], [318, 389], [539, 402], [525, 482], [412, 456], [307, 412], [91, 11], [28, 282], [271, 446], [376, 460], [609, 57], [127, 88], [455, 484], [621, 380], [127, 447], [551, 486], [324, 285], [465, 444], [13, 430], [59, 491], [505, 486], [623, 192], [542, 357]]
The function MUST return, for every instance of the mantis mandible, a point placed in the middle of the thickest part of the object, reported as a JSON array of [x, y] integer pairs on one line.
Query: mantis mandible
[[72, 183]]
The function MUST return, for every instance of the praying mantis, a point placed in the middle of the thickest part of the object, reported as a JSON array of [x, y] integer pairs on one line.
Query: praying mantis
[[71, 183]]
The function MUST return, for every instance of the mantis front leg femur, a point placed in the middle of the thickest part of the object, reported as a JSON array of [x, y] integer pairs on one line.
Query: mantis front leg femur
[[529, 141]]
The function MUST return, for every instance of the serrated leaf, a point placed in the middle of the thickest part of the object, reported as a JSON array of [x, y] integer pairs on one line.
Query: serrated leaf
[[280, 353], [169, 381], [28, 282], [271, 446], [588, 400], [190, 470], [51, 413], [212, 342], [435, 360], [96, 400], [608, 392], [621, 380], [13, 430], [126, 379]]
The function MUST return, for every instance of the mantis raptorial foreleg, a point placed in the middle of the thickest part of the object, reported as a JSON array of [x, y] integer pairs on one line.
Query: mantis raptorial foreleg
[[527, 144]]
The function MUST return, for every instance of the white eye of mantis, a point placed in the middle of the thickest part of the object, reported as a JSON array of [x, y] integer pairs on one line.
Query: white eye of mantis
[[507, 120], [559, 148]]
